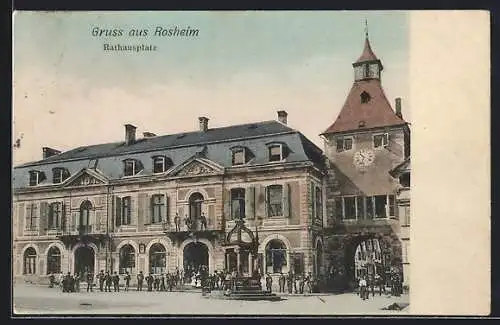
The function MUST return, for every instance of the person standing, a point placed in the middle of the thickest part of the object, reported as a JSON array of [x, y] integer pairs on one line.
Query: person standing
[[203, 220], [127, 280], [269, 283], [380, 284], [109, 281], [177, 221], [281, 282], [371, 283], [90, 281], [150, 280], [162, 284], [301, 284], [116, 282], [140, 280], [187, 222], [362, 288], [102, 278], [51, 280], [289, 282]]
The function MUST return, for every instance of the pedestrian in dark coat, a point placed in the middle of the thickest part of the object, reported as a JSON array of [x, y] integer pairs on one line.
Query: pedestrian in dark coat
[[127, 280], [281, 282], [269, 283], [90, 281], [102, 278], [289, 282], [109, 280], [116, 282], [140, 281], [150, 280]]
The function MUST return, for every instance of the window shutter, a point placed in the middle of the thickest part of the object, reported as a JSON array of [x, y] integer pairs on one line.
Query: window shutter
[[142, 210], [44, 217], [266, 203], [62, 221], [286, 200], [167, 206], [29, 211], [20, 218], [131, 211], [118, 211], [250, 202], [260, 201], [226, 201]]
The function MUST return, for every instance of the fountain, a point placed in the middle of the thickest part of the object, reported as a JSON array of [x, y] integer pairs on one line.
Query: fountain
[[241, 256]]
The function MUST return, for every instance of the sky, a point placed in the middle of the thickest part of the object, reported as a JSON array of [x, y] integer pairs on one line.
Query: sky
[[242, 67]]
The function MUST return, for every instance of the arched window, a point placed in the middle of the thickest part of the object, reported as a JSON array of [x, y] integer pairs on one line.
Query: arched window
[[157, 259], [237, 203], [54, 260], [30, 261], [275, 256], [127, 259]]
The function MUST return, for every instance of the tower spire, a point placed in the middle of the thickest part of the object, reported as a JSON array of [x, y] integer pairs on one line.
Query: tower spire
[[366, 28]]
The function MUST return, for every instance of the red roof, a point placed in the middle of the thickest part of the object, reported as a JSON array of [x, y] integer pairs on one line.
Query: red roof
[[377, 112], [367, 54]]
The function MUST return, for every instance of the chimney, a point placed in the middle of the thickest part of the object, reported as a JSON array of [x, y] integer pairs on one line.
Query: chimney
[[282, 115], [398, 107], [129, 134], [148, 134], [203, 123], [49, 152]]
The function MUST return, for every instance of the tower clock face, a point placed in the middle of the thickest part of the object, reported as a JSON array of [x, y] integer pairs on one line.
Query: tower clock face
[[363, 158]]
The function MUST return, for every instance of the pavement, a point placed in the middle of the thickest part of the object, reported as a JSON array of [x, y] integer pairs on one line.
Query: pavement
[[33, 299]]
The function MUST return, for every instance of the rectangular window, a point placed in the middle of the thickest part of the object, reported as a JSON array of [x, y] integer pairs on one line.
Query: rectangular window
[[34, 178], [159, 165], [275, 153], [57, 176], [319, 204], [381, 140], [344, 144], [125, 215], [275, 200], [380, 206], [360, 201], [239, 157], [129, 168], [350, 207], [237, 203], [55, 211], [31, 218], [369, 207], [158, 208], [406, 220], [404, 180]]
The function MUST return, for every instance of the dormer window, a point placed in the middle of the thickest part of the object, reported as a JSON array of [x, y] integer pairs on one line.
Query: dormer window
[[381, 140], [35, 177], [158, 164], [344, 144], [239, 156], [59, 175], [365, 97], [131, 167], [276, 152]]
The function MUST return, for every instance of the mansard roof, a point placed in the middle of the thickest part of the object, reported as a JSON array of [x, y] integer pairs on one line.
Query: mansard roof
[[215, 145], [357, 115]]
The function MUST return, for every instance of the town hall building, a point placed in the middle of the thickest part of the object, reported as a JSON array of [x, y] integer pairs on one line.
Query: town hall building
[[157, 204]]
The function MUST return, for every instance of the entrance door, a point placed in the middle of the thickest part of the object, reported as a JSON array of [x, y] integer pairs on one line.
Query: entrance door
[[195, 255], [84, 260]]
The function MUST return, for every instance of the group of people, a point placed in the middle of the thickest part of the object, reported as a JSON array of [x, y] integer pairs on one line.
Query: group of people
[[190, 223], [67, 282], [163, 282], [294, 283], [369, 283]]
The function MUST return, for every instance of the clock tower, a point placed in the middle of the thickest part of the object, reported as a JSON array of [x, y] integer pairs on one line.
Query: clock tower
[[366, 141]]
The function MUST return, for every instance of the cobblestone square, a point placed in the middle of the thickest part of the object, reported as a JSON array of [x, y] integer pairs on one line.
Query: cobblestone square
[[34, 299]]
